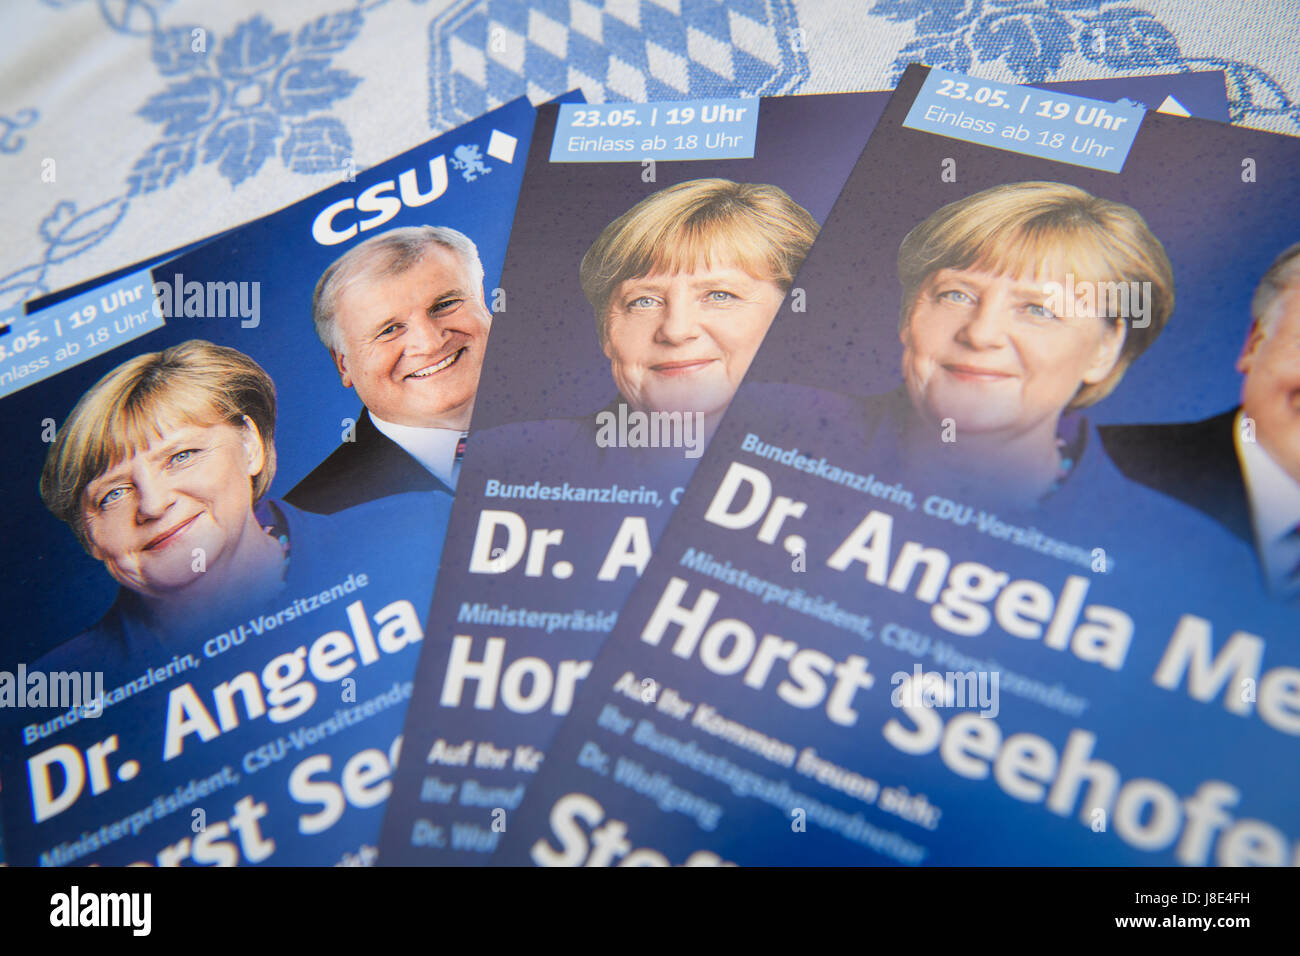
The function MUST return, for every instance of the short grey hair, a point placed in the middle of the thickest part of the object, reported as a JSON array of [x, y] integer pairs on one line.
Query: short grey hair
[[1283, 274], [387, 254]]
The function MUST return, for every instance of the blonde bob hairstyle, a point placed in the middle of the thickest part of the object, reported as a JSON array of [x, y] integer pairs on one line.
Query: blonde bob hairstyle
[[754, 226], [1046, 230], [194, 383]]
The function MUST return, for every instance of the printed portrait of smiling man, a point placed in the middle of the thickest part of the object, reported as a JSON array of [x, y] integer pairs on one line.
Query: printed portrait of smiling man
[[403, 317]]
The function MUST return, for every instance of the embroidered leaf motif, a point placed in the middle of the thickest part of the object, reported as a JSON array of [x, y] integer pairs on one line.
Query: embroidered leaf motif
[[242, 144], [173, 51], [69, 232], [1031, 40], [186, 105], [946, 52], [330, 33], [1124, 38], [159, 167], [931, 17], [253, 48], [318, 145], [311, 85]]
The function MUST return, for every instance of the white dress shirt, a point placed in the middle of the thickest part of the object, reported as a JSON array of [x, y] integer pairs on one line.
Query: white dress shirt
[[434, 448], [1274, 512]]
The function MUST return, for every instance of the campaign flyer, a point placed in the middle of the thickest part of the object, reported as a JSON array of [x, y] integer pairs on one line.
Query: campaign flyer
[[233, 473], [983, 566], [651, 248]]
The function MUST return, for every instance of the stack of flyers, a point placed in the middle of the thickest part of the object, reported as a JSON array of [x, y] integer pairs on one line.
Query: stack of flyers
[[652, 248], [992, 559]]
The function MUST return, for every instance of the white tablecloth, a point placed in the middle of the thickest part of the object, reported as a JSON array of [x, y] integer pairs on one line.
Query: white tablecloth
[[128, 127]]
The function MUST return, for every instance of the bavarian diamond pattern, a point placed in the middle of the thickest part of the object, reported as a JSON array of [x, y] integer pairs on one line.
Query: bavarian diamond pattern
[[486, 52]]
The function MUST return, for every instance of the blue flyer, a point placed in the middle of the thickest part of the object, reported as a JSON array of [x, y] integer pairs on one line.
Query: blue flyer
[[233, 472], [991, 560], [637, 292]]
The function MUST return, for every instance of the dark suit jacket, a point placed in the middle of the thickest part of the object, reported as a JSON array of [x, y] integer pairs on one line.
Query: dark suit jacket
[[374, 466], [1195, 462]]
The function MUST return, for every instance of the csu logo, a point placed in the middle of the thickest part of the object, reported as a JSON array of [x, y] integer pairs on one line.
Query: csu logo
[[385, 199]]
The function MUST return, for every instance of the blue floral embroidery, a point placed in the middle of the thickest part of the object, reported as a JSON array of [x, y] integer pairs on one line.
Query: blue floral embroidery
[[23, 119], [66, 233], [1252, 93], [255, 94], [132, 17], [1124, 38], [1033, 39], [233, 107]]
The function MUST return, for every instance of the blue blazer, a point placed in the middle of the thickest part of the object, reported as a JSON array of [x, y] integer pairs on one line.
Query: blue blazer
[[402, 533]]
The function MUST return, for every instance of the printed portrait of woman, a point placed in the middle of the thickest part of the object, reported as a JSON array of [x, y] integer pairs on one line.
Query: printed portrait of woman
[[162, 470], [1022, 305], [683, 287]]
